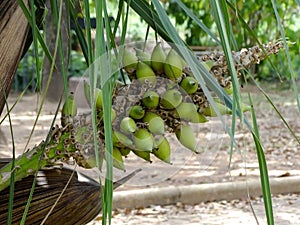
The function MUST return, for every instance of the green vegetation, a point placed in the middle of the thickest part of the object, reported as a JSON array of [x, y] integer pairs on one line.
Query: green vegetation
[[227, 25]]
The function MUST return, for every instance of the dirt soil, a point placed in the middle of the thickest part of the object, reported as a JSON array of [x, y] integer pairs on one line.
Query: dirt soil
[[212, 165]]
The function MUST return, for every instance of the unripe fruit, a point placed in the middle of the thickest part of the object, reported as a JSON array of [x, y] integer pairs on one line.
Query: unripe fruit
[[129, 61], [245, 107], [70, 107], [121, 140], [128, 125], [158, 58], [186, 111], [113, 115], [208, 64], [143, 56], [229, 90], [150, 99], [209, 111], [118, 159], [124, 151], [171, 99], [163, 151], [186, 137], [136, 112], [143, 140], [156, 125], [90, 162], [199, 118], [143, 154], [86, 88], [145, 72], [173, 65], [98, 96], [189, 84]]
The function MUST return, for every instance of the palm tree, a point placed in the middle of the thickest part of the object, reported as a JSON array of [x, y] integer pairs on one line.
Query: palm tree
[[15, 34]]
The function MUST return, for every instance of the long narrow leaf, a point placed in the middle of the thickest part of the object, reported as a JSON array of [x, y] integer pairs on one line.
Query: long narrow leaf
[[88, 31], [221, 16], [145, 11], [199, 71], [219, 9], [197, 21], [263, 169], [252, 34], [79, 34], [12, 176], [34, 26], [277, 111], [287, 53], [35, 46]]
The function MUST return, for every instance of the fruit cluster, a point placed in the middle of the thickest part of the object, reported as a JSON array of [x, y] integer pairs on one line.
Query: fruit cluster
[[163, 97]]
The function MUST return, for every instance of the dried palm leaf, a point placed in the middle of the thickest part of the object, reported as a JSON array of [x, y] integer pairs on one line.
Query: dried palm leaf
[[75, 202]]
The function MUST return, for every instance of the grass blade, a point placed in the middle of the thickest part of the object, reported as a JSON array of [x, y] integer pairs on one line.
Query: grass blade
[[199, 71], [79, 34], [263, 169], [36, 47], [88, 31], [287, 53], [144, 10], [34, 26], [197, 21], [12, 176], [252, 34]]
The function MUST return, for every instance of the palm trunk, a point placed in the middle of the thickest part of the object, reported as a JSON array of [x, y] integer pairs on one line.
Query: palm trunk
[[13, 32]]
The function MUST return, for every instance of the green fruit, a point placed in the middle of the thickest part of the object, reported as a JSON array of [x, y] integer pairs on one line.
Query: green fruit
[[129, 61], [86, 88], [145, 72], [118, 159], [209, 111], [124, 151], [208, 64], [199, 118], [158, 58], [186, 137], [91, 162], [143, 140], [113, 115], [171, 99], [229, 90], [186, 111], [245, 107], [99, 99], [121, 140], [163, 151], [98, 96], [150, 99], [128, 125], [143, 56], [70, 107], [143, 154], [156, 124], [189, 84], [136, 112], [173, 65]]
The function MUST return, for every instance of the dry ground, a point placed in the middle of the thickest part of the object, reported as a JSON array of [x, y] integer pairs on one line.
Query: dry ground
[[281, 149]]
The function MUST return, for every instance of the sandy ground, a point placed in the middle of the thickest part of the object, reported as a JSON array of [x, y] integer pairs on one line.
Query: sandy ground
[[212, 165]]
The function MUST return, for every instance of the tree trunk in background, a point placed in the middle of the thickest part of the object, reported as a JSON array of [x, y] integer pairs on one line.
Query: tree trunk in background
[[13, 32], [56, 85]]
